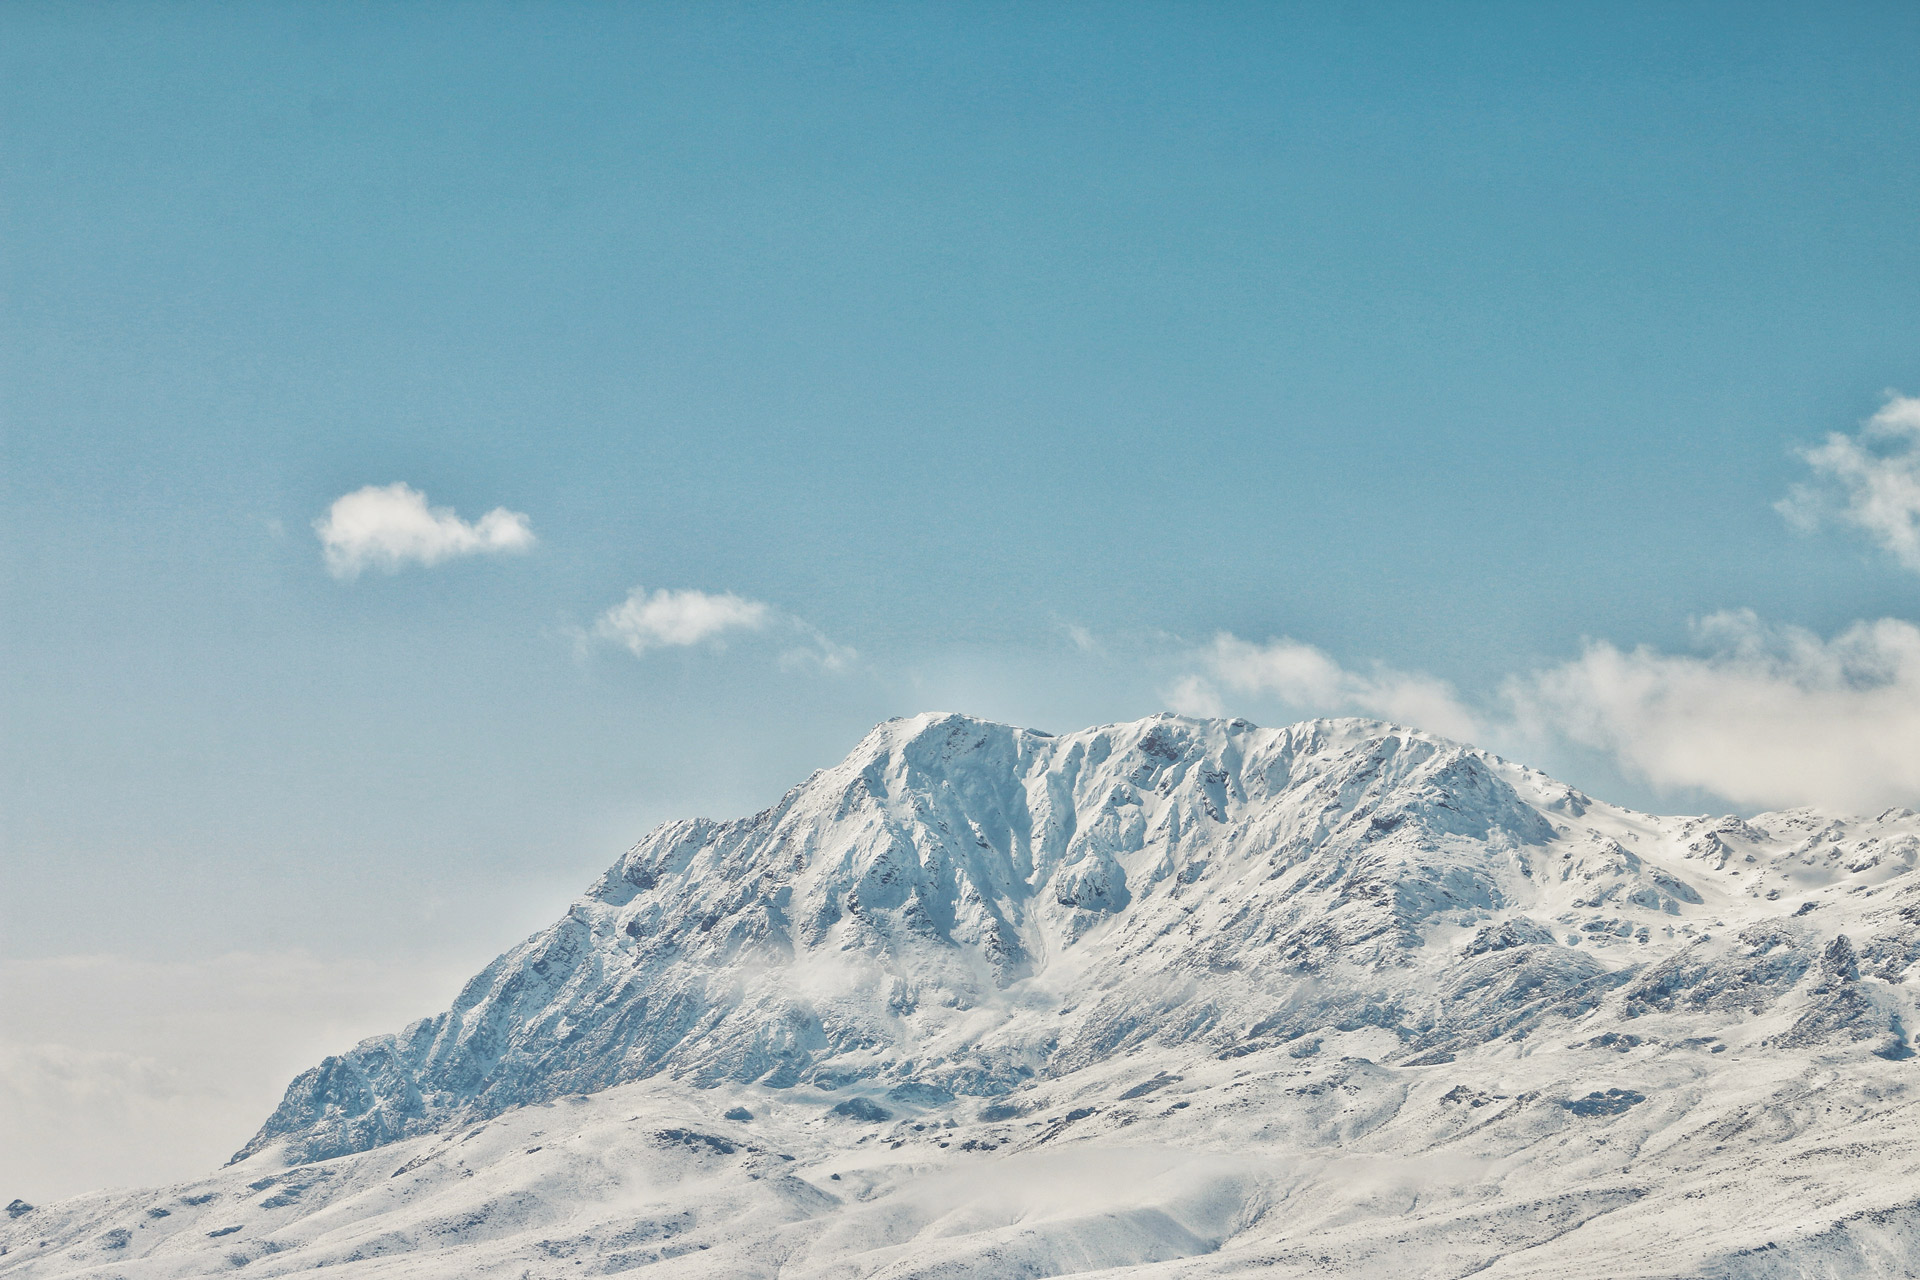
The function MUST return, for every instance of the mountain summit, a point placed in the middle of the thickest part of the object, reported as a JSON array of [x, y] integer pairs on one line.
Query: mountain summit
[[1381, 996], [959, 907]]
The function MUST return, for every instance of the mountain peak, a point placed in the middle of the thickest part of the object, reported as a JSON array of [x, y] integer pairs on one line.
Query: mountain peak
[[894, 922], [1336, 994]]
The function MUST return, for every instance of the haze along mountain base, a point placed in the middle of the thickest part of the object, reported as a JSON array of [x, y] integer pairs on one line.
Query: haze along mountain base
[[1177, 998]]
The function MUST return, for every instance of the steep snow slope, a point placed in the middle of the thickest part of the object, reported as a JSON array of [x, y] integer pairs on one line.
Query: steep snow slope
[[1185, 996]]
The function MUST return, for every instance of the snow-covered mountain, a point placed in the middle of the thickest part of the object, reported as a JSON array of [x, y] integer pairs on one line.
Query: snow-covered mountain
[[1173, 998]]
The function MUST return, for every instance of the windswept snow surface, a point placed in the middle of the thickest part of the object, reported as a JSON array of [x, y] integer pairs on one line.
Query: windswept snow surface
[[1177, 998]]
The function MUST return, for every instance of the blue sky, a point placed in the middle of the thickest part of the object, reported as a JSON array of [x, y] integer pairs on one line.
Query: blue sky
[[1055, 363]]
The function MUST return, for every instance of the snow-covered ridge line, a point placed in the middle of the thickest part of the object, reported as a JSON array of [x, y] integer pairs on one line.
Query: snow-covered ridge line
[[961, 908], [1174, 999]]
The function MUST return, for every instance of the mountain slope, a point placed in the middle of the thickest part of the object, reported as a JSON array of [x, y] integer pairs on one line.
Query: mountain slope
[[959, 907], [1339, 990]]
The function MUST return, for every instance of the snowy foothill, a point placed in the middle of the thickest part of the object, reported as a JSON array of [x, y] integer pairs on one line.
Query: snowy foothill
[[1180, 997]]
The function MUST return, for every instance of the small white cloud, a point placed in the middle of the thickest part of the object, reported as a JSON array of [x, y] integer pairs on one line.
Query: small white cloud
[[1870, 480], [677, 619], [1307, 679], [674, 619], [1081, 637], [1766, 715], [389, 526]]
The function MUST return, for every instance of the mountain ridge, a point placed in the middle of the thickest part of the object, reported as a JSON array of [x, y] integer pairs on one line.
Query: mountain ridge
[[1170, 999], [950, 866]]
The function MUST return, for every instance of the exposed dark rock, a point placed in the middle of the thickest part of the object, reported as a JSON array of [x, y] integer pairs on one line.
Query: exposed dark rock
[[697, 1141], [864, 1110], [1610, 1103], [1146, 1087]]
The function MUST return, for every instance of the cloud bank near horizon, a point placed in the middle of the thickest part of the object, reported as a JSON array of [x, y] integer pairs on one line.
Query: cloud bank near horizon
[[95, 1090], [1760, 715]]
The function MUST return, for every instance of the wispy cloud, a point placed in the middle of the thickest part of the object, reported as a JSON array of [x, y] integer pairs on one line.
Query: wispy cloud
[[667, 618], [1870, 480], [1307, 679], [390, 526], [1760, 715], [61, 1075], [811, 648], [1194, 695]]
